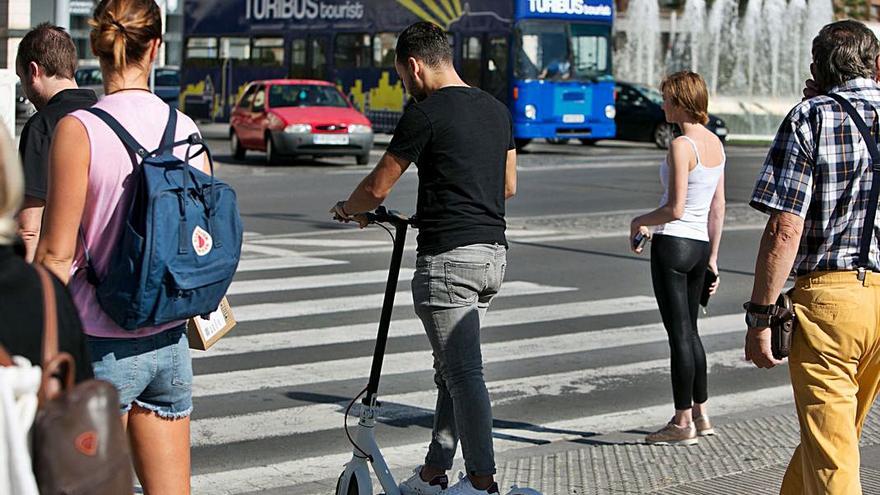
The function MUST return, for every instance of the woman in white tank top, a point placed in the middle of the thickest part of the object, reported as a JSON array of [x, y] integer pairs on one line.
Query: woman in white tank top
[[686, 234]]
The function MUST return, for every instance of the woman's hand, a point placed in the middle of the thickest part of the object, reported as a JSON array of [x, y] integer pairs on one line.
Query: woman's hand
[[713, 265], [635, 227]]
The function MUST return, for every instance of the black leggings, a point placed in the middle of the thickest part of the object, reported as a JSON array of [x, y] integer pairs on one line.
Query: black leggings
[[678, 266]]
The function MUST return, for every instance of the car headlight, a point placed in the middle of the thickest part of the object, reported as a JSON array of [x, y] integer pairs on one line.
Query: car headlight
[[610, 111], [531, 112], [298, 129], [359, 129]]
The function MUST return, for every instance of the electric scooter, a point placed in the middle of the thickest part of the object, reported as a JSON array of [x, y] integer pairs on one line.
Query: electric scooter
[[356, 479]]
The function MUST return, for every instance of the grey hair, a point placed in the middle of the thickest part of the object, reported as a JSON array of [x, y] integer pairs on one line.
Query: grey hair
[[11, 188], [843, 51]]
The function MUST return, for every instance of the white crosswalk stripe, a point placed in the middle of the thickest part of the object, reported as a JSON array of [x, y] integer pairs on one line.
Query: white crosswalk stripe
[[409, 327], [272, 311], [271, 396], [306, 419]]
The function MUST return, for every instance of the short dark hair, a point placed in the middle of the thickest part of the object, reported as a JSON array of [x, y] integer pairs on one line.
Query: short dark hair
[[51, 48], [424, 41], [843, 51]]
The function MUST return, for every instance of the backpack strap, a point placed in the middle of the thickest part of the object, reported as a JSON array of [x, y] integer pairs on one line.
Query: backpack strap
[[170, 131], [123, 135], [50, 315], [871, 213]]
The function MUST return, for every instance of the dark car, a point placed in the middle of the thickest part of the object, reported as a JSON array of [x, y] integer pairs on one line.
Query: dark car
[[23, 107], [167, 85], [640, 117], [166, 82]]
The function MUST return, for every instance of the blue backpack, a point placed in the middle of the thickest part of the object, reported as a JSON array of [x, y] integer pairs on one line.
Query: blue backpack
[[181, 241]]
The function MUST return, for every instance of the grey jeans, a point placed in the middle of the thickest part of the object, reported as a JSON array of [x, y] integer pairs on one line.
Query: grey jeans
[[452, 292]]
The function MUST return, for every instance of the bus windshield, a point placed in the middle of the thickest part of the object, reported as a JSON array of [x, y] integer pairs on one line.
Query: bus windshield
[[301, 95], [558, 50]]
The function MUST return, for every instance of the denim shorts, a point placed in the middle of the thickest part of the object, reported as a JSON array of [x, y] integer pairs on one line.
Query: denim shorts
[[154, 372]]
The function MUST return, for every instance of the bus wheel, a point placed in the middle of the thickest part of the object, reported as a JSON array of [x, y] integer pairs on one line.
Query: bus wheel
[[521, 143], [235, 147], [363, 159], [664, 133]]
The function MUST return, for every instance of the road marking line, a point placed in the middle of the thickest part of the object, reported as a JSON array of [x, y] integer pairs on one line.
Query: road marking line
[[405, 328], [285, 262], [321, 417], [313, 282], [296, 375], [320, 468], [341, 243], [271, 311]]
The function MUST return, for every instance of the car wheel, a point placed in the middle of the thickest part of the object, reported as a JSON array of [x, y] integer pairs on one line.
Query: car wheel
[[235, 147], [664, 133], [363, 159], [271, 153], [521, 143], [588, 142]]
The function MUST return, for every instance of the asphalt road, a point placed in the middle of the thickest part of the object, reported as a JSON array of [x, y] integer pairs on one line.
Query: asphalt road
[[573, 345]]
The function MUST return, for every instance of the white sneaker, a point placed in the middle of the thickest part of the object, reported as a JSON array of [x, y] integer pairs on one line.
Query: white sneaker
[[464, 487], [414, 485]]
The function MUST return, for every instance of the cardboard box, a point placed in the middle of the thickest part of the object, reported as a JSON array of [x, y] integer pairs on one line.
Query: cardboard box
[[204, 333]]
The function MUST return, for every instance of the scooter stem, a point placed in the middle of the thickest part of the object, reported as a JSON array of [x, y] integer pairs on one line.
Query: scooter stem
[[387, 308]]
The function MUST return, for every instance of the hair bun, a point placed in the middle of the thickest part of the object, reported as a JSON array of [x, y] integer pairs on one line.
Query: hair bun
[[122, 30]]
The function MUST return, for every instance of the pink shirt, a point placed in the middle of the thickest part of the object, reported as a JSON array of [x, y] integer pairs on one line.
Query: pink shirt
[[144, 116]]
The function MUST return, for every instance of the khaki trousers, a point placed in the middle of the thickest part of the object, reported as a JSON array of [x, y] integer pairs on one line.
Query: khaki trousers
[[835, 374]]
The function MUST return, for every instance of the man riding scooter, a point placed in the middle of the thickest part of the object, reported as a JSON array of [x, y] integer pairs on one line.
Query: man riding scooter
[[461, 140]]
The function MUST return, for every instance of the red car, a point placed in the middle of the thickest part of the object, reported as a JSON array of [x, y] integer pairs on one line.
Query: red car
[[290, 117]]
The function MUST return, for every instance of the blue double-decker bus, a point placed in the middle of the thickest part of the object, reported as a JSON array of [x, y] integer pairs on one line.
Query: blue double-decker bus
[[548, 60]]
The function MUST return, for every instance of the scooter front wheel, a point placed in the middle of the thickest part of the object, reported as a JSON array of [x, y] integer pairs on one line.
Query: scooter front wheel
[[355, 480]]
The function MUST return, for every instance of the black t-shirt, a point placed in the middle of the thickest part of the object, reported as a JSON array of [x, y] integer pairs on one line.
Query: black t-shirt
[[36, 137], [21, 315], [459, 138]]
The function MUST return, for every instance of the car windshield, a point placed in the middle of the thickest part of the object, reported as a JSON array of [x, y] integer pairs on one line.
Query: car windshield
[[558, 50], [305, 95], [89, 77], [167, 77], [651, 94]]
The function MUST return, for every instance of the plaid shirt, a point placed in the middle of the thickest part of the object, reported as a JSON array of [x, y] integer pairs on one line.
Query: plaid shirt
[[819, 168]]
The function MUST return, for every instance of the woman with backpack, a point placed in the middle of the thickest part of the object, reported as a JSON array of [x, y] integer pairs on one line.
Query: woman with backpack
[[90, 189], [685, 241]]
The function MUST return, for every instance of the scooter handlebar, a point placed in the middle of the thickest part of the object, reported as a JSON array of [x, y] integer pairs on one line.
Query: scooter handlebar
[[383, 215]]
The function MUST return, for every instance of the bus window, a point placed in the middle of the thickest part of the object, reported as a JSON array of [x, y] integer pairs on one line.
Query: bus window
[[298, 64], [268, 52], [383, 49], [235, 48], [319, 58], [352, 51], [471, 56], [496, 68], [204, 48], [562, 50], [589, 46]]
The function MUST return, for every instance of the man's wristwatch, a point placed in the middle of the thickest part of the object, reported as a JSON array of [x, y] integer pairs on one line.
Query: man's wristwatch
[[759, 315]]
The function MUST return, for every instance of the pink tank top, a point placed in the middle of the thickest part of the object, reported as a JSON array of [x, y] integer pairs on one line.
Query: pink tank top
[[144, 116]]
